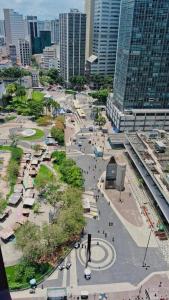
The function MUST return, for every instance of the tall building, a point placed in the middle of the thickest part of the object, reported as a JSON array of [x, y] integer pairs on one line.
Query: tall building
[[32, 30], [14, 28], [55, 31], [141, 81], [25, 52], [103, 16], [45, 39], [89, 11], [2, 28], [43, 26], [72, 43], [51, 57], [12, 54]]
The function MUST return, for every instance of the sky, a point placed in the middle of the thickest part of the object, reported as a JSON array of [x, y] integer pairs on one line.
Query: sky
[[44, 9]]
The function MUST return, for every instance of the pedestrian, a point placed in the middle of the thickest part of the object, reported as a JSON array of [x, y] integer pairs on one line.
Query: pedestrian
[[113, 239], [42, 286], [98, 231], [105, 235], [103, 231]]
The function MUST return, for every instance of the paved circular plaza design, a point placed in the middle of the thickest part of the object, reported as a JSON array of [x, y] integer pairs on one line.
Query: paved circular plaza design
[[28, 132], [103, 254]]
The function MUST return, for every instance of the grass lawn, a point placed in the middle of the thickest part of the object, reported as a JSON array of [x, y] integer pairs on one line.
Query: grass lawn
[[37, 136], [14, 284], [43, 177]]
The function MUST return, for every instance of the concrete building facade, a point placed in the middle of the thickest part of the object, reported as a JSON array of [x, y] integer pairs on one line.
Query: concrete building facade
[[89, 11], [12, 54], [72, 43], [105, 34], [51, 57], [2, 28], [55, 31], [14, 28], [25, 52], [32, 30]]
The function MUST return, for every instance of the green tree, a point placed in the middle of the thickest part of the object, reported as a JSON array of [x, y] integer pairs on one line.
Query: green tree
[[20, 92], [78, 82], [28, 239], [36, 107], [100, 95], [11, 88], [58, 135], [6, 99]]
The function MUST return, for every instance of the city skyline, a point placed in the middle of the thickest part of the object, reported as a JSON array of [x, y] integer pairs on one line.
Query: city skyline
[[38, 7]]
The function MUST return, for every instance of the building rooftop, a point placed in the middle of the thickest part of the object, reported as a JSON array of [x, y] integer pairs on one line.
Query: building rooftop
[[151, 164]]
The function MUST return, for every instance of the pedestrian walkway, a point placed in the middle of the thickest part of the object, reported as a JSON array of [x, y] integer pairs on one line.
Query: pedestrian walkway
[[139, 234]]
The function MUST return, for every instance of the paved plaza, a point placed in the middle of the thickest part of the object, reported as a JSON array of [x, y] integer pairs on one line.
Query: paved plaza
[[119, 231]]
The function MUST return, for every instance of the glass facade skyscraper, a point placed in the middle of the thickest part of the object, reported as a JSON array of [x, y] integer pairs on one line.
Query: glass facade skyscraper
[[141, 78]]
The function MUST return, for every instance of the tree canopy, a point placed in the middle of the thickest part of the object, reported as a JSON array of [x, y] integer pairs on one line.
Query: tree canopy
[[100, 95], [13, 73]]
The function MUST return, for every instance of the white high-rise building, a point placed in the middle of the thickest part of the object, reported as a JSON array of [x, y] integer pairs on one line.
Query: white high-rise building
[[72, 43], [89, 11], [55, 31], [105, 23], [24, 52], [14, 28]]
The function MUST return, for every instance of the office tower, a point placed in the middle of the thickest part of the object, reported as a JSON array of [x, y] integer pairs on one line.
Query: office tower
[[89, 11], [2, 41], [105, 34], [12, 54], [14, 28], [72, 43], [37, 45], [51, 57], [45, 39], [25, 52], [55, 31], [141, 81], [43, 26], [2, 28], [32, 30]]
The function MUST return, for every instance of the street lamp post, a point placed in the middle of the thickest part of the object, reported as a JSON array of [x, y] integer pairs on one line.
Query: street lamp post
[[4, 288], [145, 255]]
